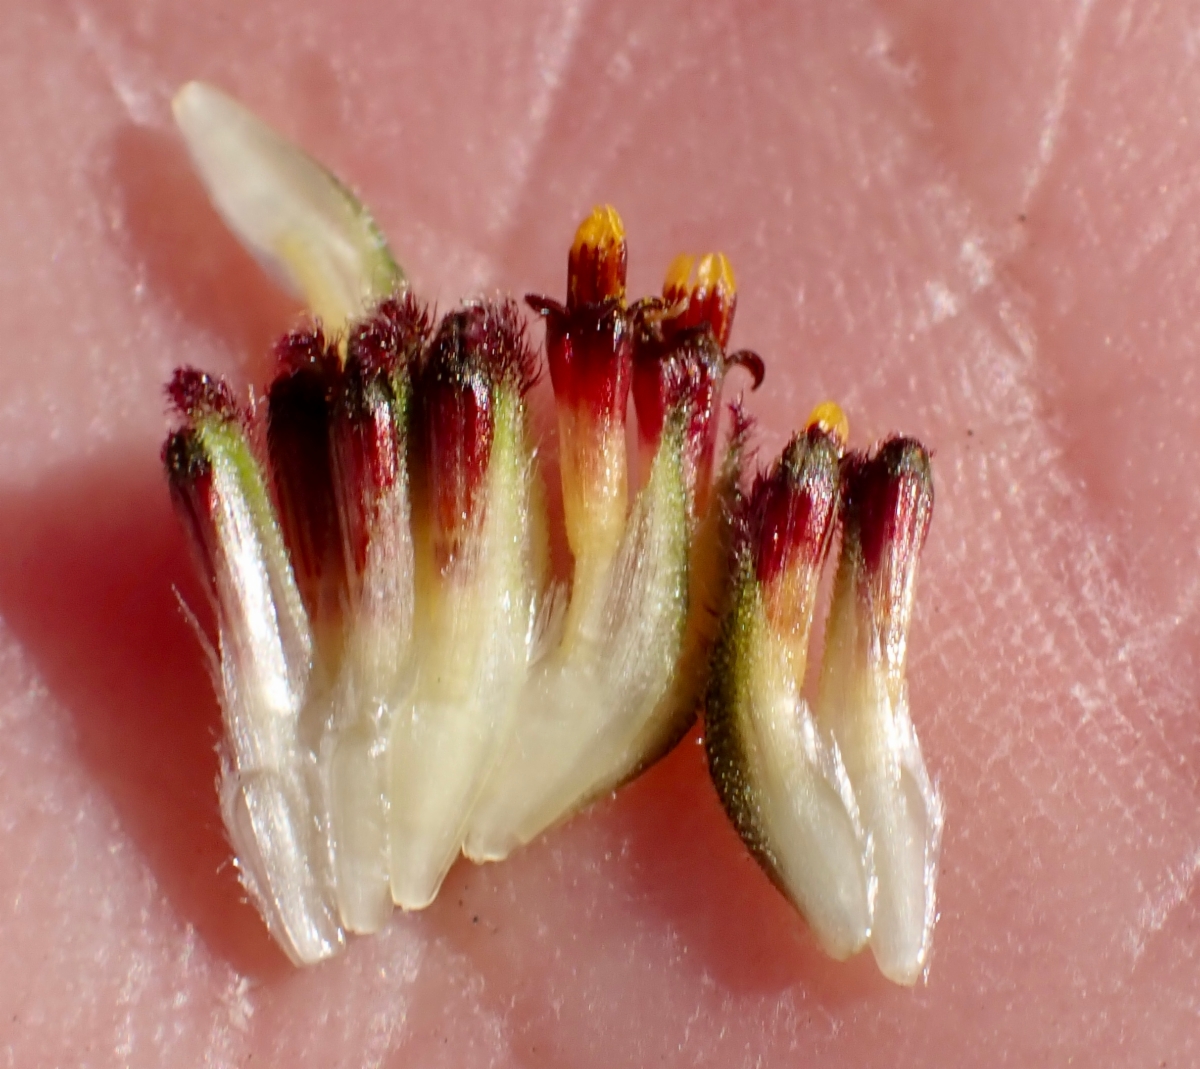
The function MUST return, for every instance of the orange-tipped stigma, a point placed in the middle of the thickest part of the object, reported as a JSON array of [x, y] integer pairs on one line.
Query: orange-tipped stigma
[[829, 417]]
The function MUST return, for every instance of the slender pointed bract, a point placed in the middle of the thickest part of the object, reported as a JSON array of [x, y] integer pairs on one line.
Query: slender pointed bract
[[863, 697], [476, 559], [304, 226], [369, 436], [780, 779], [265, 649]]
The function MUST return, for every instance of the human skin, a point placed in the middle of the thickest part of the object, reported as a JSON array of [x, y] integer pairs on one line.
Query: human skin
[[975, 223]]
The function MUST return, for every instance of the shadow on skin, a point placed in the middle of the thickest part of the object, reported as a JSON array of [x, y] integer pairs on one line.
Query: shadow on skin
[[175, 235], [87, 583], [666, 859], [94, 556], [685, 864]]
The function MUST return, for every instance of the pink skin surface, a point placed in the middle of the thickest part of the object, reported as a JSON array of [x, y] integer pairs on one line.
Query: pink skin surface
[[972, 222]]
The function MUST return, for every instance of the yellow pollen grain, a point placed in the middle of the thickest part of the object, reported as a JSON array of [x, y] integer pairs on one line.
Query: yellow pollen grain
[[600, 230], [828, 415]]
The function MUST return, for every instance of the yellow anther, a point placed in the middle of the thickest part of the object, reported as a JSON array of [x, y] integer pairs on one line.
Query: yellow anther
[[828, 415], [714, 274], [677, 284], [596, 270], [602, 228], [702, 291]]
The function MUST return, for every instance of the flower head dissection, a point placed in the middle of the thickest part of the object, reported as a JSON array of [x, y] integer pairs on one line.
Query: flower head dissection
[[404, 677]]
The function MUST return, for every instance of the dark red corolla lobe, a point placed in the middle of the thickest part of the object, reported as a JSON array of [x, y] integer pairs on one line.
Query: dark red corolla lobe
[[681, 373], [476, 351], [460, 425], [793, 508], [299, 414], [889, 505], [305, 350], [491, 336], [390, 340], [367, 430], [198, 397], [588, 340], [369, 417], [590, 353], [190, 478], [368, 446], [185, 459], [197, 394]]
